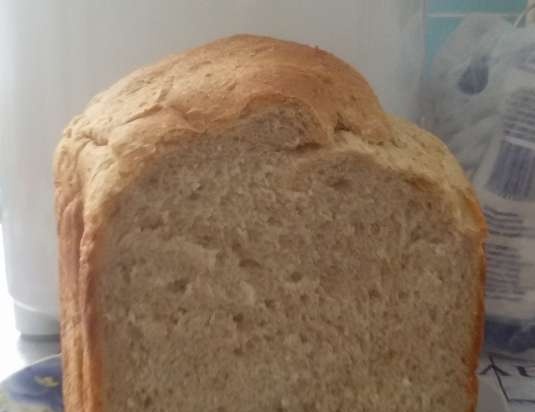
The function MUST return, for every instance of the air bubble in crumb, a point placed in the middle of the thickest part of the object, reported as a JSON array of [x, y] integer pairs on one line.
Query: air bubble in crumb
[[178, 286], [374, 294], [238, 318], [295, 277]]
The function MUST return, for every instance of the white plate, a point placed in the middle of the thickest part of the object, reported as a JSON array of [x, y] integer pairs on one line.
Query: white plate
[[36, 388]]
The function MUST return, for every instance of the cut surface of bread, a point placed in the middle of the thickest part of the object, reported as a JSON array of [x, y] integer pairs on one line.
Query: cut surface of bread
[[263, 239]]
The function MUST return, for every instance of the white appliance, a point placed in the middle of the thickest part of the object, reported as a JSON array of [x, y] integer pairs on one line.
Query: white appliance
[[55, 55]]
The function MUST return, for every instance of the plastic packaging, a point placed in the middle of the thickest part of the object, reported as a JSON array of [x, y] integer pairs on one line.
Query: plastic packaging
[[482, 103]]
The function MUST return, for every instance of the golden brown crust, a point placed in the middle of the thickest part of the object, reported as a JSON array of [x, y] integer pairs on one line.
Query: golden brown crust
[[70, 231], [198, 92]]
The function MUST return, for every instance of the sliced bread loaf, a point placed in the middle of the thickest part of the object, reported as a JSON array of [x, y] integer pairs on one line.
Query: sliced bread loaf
[[243, 229]]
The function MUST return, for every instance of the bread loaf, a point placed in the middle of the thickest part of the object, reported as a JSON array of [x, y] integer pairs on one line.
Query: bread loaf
[[243, 228]]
